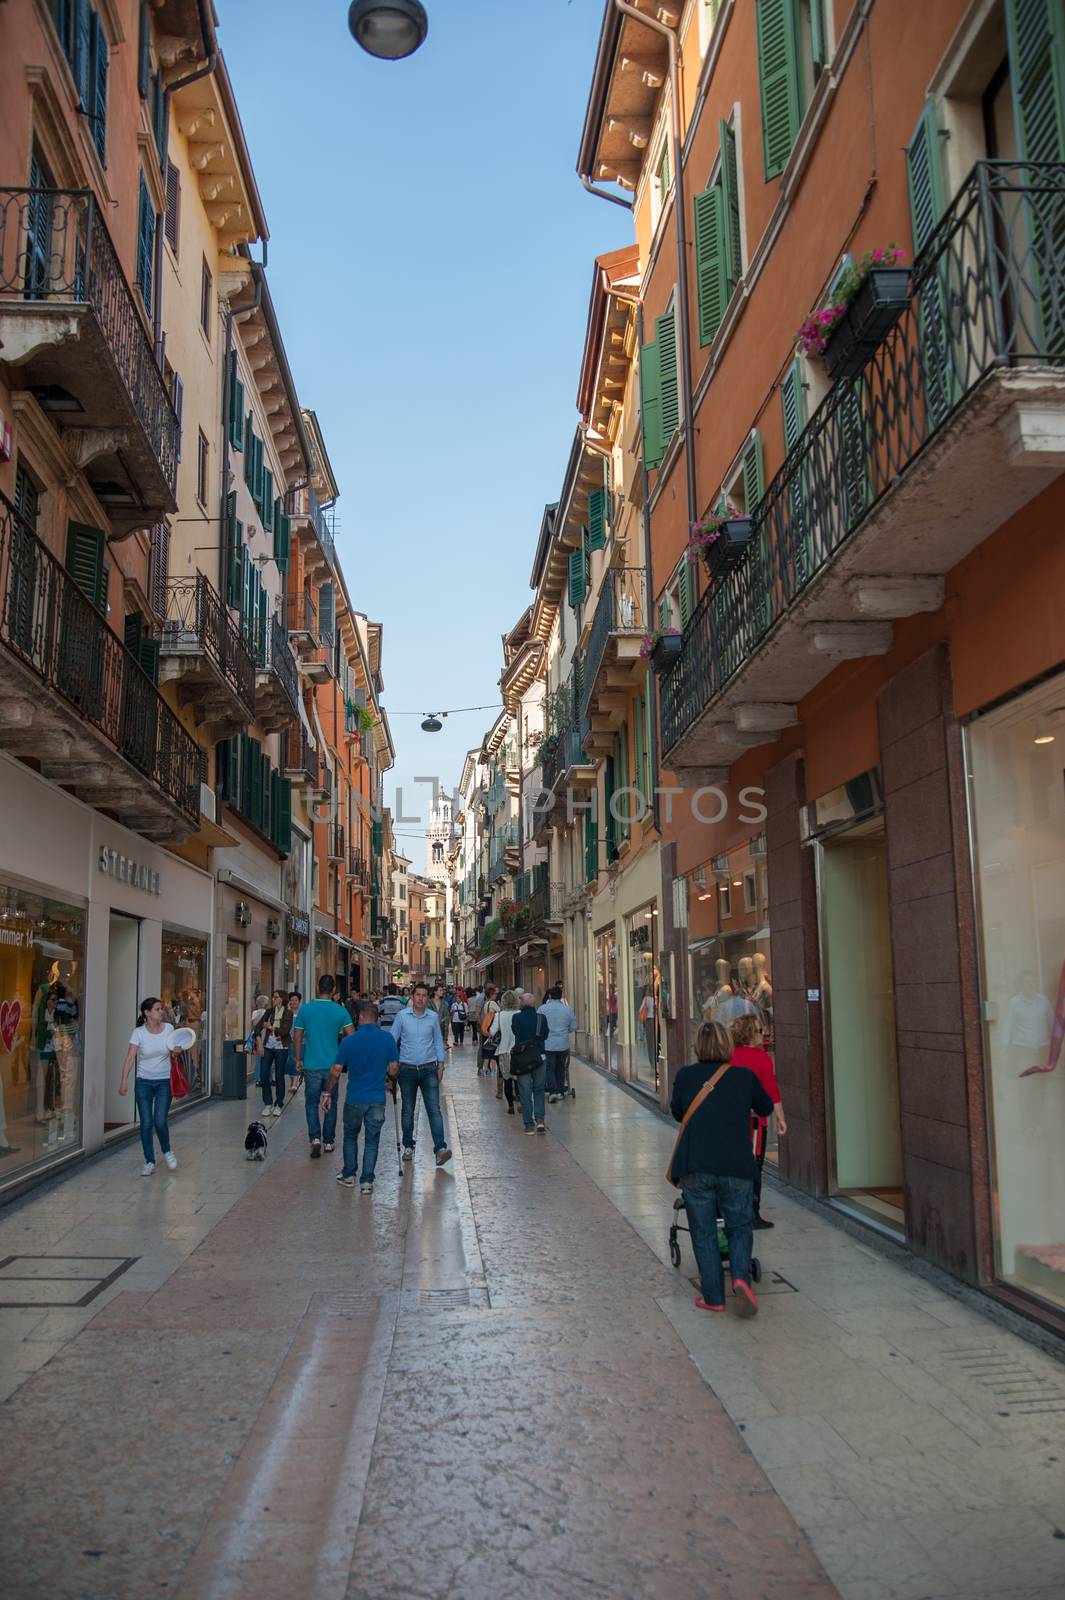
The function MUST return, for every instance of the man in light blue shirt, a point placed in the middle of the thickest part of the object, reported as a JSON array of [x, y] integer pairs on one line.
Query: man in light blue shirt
[[420, 1045], [317, 1029], [561, 1022]]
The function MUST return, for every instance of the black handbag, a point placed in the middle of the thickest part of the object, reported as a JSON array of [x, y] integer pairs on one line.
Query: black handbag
[[525, 1057]]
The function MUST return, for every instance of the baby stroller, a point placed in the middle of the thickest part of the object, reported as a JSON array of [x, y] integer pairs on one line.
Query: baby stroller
[[722, 1243]]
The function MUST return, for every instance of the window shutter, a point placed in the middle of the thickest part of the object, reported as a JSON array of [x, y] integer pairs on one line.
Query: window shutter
[[1036, 31], [597, 519], [283, 817], [145, 244], [730, 200], [778, 73], [101, 61], [711, 270], [148, 656], [159, 568], [651, 405], [664, 612], [818, 36], [577, 586], [922, 170], [282, 535], [83, 20], [227, 769], [793, 404], [144, 51], [132, 629], [263, 621], [236, 408], [85, 562], [268, 500], [173, 206], [666, 330], [686, 592], [159, 118], [753, 475], [245, 589], [234, 539], [260, 474], [178, 398], [326, 612], [249, 448]]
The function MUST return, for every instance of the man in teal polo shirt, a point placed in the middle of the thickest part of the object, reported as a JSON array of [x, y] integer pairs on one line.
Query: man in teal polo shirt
[[319, 1026]]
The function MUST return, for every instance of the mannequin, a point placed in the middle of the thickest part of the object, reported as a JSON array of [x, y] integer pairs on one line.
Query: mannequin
[[762, 992], [745, 968]]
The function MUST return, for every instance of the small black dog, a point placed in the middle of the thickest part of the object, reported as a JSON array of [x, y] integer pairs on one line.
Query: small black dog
[[256, 1143]]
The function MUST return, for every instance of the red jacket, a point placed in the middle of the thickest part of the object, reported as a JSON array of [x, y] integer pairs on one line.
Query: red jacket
[[760, 1062]]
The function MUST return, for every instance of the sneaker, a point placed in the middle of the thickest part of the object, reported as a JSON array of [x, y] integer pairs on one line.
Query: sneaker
[[762, 1222], [349, 1183], [366, 1188], [510, 1111], [408, 1154], [170, 1158], [540, 1128], [443, 1156], [147, 1169], [745, 1295], [329, 1146], [316, 1149], [530, 1129], [704, 1305]]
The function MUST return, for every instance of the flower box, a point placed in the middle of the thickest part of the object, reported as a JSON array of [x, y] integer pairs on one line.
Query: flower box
[[879, 301], [726, 551], [666, 652]]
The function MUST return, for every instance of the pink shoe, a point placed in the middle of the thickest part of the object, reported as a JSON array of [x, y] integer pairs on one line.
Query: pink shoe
[[704, 1305], [746, 1297]]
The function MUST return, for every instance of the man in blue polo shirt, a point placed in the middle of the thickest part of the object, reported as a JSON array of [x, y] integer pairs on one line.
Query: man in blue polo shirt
[[370, 1057]]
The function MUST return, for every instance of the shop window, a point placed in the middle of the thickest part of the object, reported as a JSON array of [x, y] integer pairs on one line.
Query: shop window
[[728, 951], [42, 1000], [183, 989], [643, 1030]]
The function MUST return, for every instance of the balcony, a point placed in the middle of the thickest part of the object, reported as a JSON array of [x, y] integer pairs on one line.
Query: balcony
[[335, 837], [203, 652], [505, 852], [301, 615], [358, 868], [956, 422], [566, 763], [316, 528], [277, 680], [71, 323], [101, 729], [612, 662], [299, 757]]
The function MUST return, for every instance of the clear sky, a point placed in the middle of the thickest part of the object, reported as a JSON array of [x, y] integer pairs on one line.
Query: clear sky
[[430, 259]]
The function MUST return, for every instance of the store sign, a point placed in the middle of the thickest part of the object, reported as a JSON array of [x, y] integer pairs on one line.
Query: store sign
[[298, 927], [639, 938], [125, 870]]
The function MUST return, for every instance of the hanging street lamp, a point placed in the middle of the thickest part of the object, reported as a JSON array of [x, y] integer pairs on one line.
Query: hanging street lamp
[[388, 29]]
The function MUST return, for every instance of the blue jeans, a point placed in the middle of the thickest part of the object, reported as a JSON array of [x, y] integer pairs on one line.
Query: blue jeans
[[706, 1198], [370, 1117], [273, 1074], [313, 1089], [411, 1079], [153, 1097], [557, 1062], [531, 1089]]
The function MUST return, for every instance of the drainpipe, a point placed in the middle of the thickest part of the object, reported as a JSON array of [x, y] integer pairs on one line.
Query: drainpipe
[[682, 243], [648, 567], [604, 194]]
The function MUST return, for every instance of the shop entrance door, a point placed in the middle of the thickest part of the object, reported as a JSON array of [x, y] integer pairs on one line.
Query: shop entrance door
[[862, 1071], [123, 999]]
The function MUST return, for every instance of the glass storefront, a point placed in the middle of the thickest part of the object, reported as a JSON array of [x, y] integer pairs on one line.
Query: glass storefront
[[606, 980], [237, 1012], [41, 1021], [728, 938], [1017, 781], [183, 990], [641, 939]]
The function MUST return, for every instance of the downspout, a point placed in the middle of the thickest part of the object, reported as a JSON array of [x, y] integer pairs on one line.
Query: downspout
[[648, 567], [211, 53], [682, 243], [604, 194]]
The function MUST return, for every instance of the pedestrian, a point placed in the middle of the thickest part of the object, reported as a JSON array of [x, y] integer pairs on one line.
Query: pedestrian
[[352, 1004], [489, 1030], [421, 1069], [295, 1000], [316, 1031], [370, 1059], [443, 1010], [748, 1050], [474, 1002], [561, 1022], [253, 1045], [528, 1026], [390, 1007], [509, 1006], [274, 1032], [458, 1020], [714, 1164], [149, 1052]]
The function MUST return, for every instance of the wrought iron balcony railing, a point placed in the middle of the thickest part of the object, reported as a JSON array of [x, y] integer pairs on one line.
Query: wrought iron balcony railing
[[987, 292], [196, 620], [50, 625], [303, 502], [357, 867], [275, 656], [336, 842], [566, 752], [302, 614], [300, 756], [55, 248], [621, 608]]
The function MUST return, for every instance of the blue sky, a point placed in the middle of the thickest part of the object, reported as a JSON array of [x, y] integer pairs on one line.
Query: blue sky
[[430, 260]]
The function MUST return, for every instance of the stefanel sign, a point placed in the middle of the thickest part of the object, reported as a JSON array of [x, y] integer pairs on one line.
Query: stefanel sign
[[125, 870]]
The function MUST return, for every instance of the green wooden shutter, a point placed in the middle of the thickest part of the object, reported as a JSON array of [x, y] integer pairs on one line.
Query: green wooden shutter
[[249, 451], [1036, 31], [100, 64], [236, 406], [262, 621], [144, 49], [923, 171], [666, 330], [640, 778], [282, 536], [621, 772], [283, 816], [245, 589], [924, 176], [686, 592], [591, 846], [327, 612], [145, 243], [664, 612], [597, 519], [268, 500], [85, 562], [234, 544], [779, 79], [651, 405], [578, 587], [818, 36], [711, 268], [753, 474], [793, 404], [83, 19], [730, 201]]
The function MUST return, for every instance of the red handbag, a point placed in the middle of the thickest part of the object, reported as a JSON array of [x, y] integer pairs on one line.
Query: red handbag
[[179, 1078]]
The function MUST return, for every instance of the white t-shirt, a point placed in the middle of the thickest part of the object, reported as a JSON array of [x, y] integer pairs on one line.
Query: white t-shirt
[[153, 1052]]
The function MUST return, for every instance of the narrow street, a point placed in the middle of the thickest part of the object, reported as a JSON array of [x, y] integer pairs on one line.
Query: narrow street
[[487, 1381]]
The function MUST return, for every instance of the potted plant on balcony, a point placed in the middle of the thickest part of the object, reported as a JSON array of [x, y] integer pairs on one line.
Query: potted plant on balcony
[[548, 747], [867, 301], [661, 648], [365, 720], [720, 540]]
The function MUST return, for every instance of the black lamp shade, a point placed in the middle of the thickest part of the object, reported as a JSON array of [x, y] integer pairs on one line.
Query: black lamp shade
[[388, 29], [432, 725]]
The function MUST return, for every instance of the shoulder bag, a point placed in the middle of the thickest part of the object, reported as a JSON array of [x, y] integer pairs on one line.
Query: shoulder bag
[[704, 1094]]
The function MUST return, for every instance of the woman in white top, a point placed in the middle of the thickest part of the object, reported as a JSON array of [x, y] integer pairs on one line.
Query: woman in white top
[[508, 1010], [149, 1050]]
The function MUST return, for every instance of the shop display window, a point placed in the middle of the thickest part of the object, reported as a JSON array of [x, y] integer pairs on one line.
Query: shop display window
[[1016, 771], [606, 979], [183, 990], [644, 1032], [42, 1002], [237, 1017]]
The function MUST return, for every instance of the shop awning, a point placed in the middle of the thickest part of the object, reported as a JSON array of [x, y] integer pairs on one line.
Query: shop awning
[[486, 961]]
